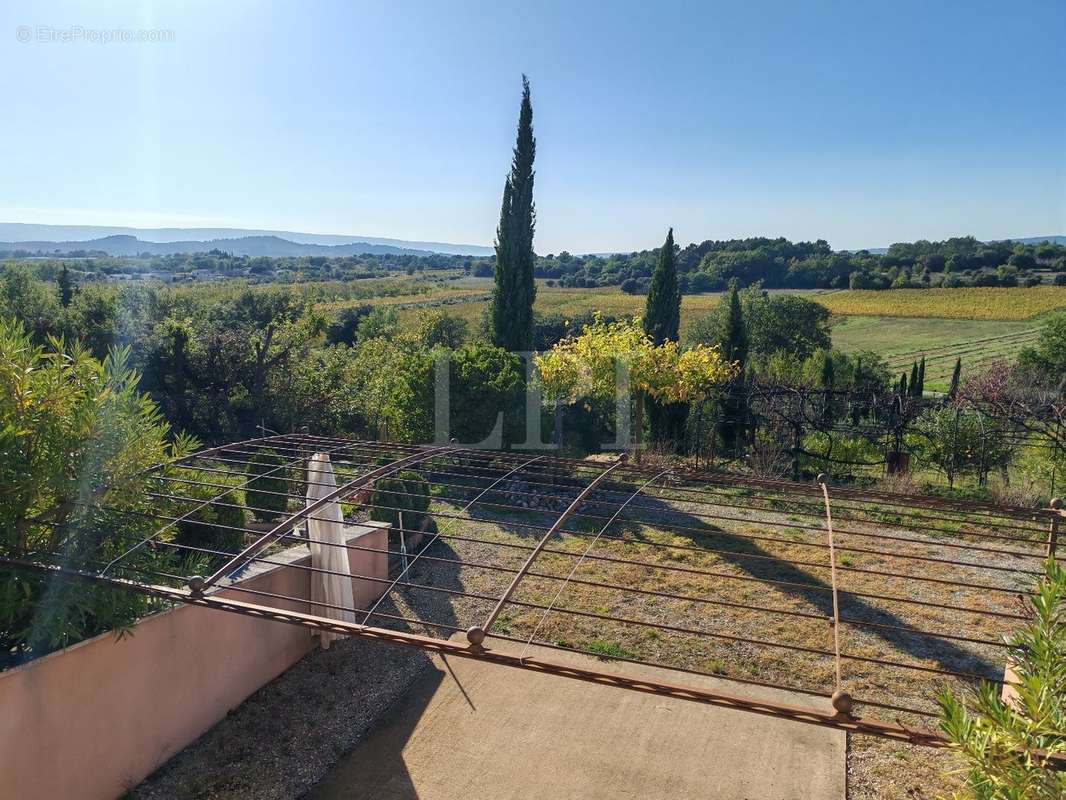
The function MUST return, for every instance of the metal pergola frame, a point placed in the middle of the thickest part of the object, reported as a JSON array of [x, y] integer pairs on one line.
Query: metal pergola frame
[[1021, 537]]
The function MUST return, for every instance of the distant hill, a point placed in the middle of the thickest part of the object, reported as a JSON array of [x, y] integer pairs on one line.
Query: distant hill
[[77, 237]]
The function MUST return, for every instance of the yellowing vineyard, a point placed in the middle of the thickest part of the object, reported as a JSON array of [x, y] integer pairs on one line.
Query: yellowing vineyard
[[985, 303]]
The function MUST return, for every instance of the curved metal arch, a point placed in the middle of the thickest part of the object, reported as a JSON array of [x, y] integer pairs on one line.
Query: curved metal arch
[[184, 461], [437, 535], [476, 635], [197, 584]]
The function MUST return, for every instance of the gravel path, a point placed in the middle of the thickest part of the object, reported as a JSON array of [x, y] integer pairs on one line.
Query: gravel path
[[285, 737]]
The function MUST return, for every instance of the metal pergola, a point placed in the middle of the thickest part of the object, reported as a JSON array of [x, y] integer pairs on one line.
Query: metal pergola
[[861, 604]]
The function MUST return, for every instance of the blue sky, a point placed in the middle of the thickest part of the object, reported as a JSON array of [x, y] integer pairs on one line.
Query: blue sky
[[860, 122]]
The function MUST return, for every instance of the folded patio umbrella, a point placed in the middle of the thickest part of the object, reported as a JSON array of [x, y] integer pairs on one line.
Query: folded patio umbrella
[[331, 591]]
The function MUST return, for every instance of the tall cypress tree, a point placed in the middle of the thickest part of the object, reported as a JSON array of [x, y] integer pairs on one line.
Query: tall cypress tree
[[914, 379], [67, 287], [921, 378], [512, 299], [955, 375], [734, 348], [662, 313], [662, 321], [734, 330]]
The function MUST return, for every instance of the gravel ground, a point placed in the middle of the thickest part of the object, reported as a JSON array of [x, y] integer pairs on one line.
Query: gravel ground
[[285, 737]]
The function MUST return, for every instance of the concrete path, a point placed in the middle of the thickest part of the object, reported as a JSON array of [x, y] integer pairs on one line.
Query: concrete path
[[475, 731]]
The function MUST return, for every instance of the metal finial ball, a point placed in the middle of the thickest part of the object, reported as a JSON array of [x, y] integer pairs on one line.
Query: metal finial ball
[[842, 702], [453, 441], [1056, 503], [623, 457], [475, 636], [196, 584], [822, 477]]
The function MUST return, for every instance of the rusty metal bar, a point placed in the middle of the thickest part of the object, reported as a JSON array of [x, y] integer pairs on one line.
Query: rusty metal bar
[[476, 635], [588, 550], [811, 716], [198, 584], [436, 536]]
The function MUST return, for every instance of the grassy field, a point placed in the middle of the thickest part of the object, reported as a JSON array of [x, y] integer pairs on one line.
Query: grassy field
[[974, 304], [977, 325], [903, 340], [555, 300]]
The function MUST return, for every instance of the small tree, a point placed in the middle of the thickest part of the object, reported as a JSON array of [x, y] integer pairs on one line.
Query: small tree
[[1008, 742], [67, 286], [956, 375], [588, 365]]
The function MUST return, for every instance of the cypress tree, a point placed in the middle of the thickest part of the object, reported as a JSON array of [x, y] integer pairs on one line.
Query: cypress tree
[[921, 378], [734, 348], [903, 385], [914, 379], [955, 375], [662, 321], [735, 332], [662, 313], [514, 292], [67, 287]]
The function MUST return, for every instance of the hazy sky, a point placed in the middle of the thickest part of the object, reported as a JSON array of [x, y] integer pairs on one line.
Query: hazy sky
[[860, 122]]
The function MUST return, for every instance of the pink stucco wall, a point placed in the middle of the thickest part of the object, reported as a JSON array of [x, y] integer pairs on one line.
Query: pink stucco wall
[[93, 720]]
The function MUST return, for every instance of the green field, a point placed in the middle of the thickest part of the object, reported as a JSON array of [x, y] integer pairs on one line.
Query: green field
[[1005, 320], [903, 340], [985, 303]]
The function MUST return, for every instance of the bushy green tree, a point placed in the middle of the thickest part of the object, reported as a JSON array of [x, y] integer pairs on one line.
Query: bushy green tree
[[514, 291], [485, 381], [1049, 353], [443, 329], [76, 439], [1007, 743]]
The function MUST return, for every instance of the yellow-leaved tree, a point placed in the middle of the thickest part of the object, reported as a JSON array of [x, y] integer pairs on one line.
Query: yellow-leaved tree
[[609, 358]]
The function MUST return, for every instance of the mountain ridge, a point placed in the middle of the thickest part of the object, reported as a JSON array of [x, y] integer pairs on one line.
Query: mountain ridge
[[22, 233]]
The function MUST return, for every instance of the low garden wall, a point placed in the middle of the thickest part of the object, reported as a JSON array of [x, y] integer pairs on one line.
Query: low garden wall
[[95, 719]]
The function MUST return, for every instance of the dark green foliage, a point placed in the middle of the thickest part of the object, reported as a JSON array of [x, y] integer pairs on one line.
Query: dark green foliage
[[662, 322], [345, 328], [514, 292], [774, 323], [734, 340], [956, 375], [67, 286], [734, 343], [402, 501], [1049, 354], [913, 384], [485, 381], [267, 496], [662, 312], [217, 525], [921, 378]]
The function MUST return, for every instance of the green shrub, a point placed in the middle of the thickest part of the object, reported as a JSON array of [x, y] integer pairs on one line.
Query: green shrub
[[267, 497], [408, 493], [1006, 744], [217, 525], [76, 442]]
